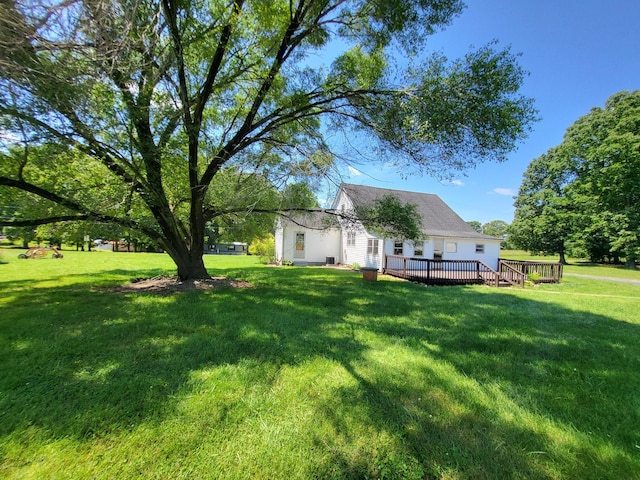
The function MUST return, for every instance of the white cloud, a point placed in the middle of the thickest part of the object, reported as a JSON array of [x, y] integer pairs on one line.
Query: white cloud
[[504, 191], [354, 172], [456, 182]]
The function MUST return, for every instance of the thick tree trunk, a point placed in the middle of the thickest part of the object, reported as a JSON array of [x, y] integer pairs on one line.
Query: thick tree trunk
[[189, 262], [563, 260], [187, 255], [192, 269]]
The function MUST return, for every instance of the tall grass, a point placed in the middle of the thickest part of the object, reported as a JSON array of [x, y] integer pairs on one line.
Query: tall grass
[[312, 373]]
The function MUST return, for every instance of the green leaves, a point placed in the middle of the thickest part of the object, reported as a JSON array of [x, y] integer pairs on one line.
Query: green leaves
[[453, 115], [390, 218], [161, 98], [587, 189]]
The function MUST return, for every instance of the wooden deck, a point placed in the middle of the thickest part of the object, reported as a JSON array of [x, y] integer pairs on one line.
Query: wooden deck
[[440, 272], [468, 272]]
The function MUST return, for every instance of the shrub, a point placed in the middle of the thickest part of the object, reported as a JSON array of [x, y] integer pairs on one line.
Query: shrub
[[263, 247], [534, 277]]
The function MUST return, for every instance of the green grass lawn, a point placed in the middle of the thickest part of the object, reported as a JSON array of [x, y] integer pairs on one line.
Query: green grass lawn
[[312, 373], [577, 265]]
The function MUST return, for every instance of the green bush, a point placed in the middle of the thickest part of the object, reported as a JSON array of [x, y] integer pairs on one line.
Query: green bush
[[534, 277], [263, 247]]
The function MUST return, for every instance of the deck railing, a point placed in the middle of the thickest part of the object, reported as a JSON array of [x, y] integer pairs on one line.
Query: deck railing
[[440, 272], [539, 272], [511, 275]]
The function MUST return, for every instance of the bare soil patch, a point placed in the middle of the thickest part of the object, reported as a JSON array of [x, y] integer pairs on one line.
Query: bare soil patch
[[167, 285]]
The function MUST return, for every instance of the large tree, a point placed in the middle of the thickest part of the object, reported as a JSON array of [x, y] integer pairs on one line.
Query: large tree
[[156, 99], [587, 189], [544, 217], [604, 147]]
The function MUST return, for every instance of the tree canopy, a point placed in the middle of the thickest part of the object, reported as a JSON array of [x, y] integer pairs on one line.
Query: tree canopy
[[585, 192], [146, 114]]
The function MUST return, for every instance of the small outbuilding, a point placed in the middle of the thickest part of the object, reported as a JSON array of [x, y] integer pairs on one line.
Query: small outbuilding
[[230, 248]]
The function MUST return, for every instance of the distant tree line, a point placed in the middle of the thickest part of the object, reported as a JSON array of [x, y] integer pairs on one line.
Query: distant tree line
[[241, 225], [494, 228], [582, 197]]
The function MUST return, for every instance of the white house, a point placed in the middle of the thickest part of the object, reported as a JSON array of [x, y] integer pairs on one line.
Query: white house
[[319, 237]]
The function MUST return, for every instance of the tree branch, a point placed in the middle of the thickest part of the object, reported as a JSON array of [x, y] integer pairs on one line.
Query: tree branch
[[82, 212], [284, 51], [216, 62], [42, 221]]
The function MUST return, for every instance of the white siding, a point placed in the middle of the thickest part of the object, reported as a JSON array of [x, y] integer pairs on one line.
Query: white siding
[[352, 254], [279, 241], [357, 253], [466, 250], [319, 244]]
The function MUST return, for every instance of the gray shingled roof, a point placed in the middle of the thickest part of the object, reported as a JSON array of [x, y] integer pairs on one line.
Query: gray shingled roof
[[439, 219]]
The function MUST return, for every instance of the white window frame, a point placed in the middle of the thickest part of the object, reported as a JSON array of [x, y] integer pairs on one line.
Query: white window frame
[[398, 247], [452, 247], [372, 246], [479, 247], [351, 239], [418, 248]]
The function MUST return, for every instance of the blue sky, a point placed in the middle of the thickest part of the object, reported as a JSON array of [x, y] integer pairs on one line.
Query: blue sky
[[577, 52]]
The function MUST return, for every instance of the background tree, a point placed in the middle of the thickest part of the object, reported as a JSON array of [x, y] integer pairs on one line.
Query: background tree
[[476, 225], [544, 216], [390, 218], [604, 147], [586, 191], [155, 100], [498, 229]]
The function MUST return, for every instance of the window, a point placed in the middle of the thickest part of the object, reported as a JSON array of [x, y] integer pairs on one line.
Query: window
[[438, 245], [479, 248], [397, 248], [452, 247], [351, 239], [418, 249], [372, 246]]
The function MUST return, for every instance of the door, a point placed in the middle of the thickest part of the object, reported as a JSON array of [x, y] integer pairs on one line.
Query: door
[[299, 248]]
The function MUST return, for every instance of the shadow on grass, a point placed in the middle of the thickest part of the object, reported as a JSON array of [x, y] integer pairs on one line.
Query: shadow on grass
[[488, 373]]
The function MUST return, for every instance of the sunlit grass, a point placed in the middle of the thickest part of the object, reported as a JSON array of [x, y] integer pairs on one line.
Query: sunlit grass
[[577, 265], [312, 373]]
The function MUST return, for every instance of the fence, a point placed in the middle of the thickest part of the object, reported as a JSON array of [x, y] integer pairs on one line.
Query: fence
[[539, 272]]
